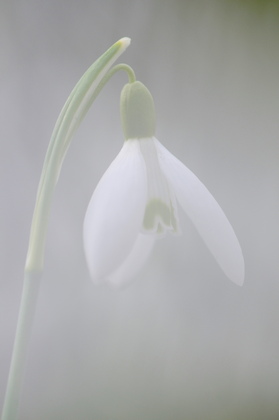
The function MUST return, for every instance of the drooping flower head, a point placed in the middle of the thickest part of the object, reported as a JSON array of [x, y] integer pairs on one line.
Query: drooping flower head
[[135, 202]]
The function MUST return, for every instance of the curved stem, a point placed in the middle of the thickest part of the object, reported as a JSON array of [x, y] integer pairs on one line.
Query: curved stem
[[121, 66], [68, 121], [131, 76]]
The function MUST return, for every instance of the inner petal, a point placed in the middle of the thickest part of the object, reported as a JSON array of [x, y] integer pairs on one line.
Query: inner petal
[[161, 210]]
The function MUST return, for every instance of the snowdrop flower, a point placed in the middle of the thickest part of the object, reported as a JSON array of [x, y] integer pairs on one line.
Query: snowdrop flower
[[135, 202]]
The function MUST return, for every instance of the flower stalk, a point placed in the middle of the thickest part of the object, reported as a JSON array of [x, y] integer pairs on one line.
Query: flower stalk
[[68, 121]]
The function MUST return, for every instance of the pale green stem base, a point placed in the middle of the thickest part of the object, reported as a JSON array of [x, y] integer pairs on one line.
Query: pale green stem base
[[23, 332]]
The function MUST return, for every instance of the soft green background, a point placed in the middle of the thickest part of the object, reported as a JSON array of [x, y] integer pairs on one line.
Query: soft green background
[[181, 342]]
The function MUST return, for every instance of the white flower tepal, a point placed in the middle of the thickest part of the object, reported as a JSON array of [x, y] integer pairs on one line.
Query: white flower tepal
[[135, 202]]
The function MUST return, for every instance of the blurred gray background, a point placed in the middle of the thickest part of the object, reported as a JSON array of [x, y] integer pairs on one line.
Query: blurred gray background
[[182, 342]]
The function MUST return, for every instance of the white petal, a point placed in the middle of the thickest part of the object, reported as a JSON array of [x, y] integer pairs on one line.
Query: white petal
[[134, 261], [206, 215], [115, 212]]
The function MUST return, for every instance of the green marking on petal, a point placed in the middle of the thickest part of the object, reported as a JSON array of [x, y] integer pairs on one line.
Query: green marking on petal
[[159, 217]]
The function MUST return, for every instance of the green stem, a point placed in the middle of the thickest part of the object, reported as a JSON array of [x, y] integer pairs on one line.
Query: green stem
[[131, 76], [23, 332], [68, 121]]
